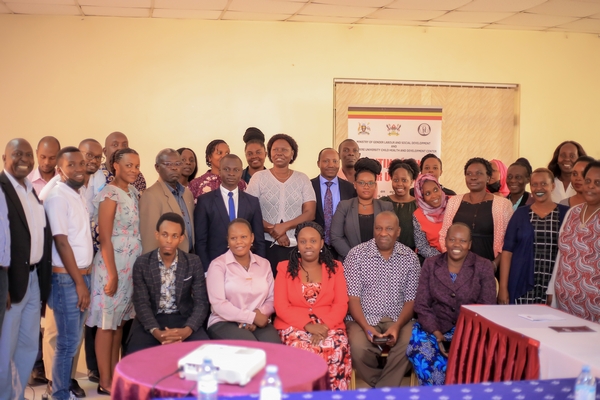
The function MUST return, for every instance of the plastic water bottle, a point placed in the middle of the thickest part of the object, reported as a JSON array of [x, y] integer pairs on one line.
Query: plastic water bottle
[[585, 385], [208, 385], [270, 385]]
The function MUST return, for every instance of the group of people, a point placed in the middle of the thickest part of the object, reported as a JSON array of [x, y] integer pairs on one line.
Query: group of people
[[270, 255]]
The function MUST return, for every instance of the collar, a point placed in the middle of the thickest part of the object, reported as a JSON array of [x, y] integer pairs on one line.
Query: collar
[[37, 176], [225, 192], [28, 188], [178, 191], [175, 260], [372, 251], [67, 189], [323, 180], [230, 258]]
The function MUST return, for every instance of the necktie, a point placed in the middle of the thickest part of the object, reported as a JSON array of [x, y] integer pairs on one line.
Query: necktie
[[328, 212], [231, 206]]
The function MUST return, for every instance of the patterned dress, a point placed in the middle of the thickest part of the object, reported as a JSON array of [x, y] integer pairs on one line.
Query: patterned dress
[[545, 247], [108, 312], [334, 349], [424, 353], [577, 280]]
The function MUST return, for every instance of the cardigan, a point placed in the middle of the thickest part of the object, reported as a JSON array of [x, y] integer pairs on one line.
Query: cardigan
[[292, 309], [439, 299], [501, 213], [519, 241]]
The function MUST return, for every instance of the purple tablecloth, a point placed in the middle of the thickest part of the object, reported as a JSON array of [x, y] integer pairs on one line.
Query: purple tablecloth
[[300, 371], [552, 389]]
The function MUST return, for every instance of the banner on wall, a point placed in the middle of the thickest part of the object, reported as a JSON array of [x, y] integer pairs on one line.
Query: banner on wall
[[387, 133]]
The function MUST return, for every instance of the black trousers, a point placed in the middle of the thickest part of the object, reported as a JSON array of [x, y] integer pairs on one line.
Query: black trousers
[[140, 339], [276, 254], [226, 330]]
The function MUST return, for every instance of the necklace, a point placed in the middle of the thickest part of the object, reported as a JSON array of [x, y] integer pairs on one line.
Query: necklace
[[284, 178], [583, 211], [365, 205]]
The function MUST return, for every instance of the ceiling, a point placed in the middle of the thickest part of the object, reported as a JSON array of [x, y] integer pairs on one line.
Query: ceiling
[[539, 15]]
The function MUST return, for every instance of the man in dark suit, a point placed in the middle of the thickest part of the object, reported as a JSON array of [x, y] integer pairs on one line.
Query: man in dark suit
[[169, 291], [216, 209], [340, 189], [29, 273]]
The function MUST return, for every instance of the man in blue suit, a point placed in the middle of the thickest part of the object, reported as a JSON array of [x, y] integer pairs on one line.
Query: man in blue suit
[[214, 210], [339, 189]]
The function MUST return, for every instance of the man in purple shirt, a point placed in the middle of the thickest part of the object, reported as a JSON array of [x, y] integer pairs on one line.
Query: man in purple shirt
[[46, 152]]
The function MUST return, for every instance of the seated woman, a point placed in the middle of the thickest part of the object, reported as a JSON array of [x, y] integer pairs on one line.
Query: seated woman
[[497, 183], [574, 281], [311, 301], [403, 173], [447, 281], [517, 178], [486, 215], [353, 220], [577, 182], [531, 244], [429, 216], [240, 290], [211, 180]]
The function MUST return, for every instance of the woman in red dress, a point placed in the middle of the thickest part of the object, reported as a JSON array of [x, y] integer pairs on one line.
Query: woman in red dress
[[311, 302]]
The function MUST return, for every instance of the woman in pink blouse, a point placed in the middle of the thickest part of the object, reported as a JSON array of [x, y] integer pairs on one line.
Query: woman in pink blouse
[[240, 289]]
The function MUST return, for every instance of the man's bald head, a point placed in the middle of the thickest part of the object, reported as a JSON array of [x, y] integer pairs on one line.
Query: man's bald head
[[47, 150], [115, 141], [18, 159]]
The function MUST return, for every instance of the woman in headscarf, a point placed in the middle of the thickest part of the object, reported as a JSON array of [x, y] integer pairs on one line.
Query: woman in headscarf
[[429, 216], [497, 183]]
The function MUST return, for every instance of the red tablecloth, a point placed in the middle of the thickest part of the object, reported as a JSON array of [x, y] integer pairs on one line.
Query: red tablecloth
[[299, 370], [483, 351]]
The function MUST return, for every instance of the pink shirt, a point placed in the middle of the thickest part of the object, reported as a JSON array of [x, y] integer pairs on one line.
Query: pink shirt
[[37, 181], [235, 293]]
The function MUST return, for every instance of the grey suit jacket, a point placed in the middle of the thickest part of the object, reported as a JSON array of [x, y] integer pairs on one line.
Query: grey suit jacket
[[345, 229], [155, 201], [190, 290]]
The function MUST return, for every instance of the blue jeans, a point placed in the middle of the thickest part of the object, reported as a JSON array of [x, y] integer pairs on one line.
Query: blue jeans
[[69, 325], [19, 341]]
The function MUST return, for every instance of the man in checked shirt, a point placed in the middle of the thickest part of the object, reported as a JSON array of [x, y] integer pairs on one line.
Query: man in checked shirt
[[382, 276]]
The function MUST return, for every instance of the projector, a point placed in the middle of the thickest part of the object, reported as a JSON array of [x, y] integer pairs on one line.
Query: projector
[[237, 365]]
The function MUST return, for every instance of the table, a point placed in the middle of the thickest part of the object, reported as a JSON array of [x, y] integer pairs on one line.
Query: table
[[300, 371], [494, 343], [556, 389]]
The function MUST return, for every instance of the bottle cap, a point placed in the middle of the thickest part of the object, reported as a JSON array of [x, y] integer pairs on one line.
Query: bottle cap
[[586, 368], [272, 369]]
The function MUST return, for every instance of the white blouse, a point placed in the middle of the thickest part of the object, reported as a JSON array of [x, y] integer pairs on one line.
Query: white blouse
[[559, 193], [281, 201]]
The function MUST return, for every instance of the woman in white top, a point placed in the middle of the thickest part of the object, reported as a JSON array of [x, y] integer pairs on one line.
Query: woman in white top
[[561, 165], [286, 198]]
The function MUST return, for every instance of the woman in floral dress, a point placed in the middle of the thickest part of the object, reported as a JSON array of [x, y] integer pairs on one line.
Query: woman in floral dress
[[120, 245], [311, 302], [211, 180]]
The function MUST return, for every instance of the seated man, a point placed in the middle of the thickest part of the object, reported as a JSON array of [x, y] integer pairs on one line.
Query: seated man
[[382, 276], [169, 291]]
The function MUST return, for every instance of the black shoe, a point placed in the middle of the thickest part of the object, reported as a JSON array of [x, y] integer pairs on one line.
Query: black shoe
[[38, 377], [76, 389], [93, 376], [102, 391]]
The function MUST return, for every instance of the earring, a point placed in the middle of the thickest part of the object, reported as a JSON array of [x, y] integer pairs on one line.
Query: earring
[[320, 251]]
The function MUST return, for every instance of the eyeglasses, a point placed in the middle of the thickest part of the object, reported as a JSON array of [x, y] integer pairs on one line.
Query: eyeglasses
[[90, 157], [363, 183], [169, 164]]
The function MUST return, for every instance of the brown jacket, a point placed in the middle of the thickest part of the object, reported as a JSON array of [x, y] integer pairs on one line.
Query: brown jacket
[[155, 201]]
